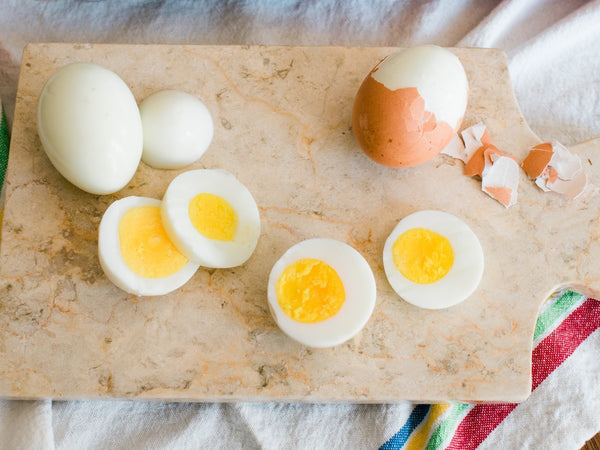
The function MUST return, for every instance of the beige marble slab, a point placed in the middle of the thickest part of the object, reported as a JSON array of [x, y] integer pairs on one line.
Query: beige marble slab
[[282, 118]]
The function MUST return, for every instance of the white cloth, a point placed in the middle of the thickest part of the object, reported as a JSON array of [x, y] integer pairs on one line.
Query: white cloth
[[554, 54]]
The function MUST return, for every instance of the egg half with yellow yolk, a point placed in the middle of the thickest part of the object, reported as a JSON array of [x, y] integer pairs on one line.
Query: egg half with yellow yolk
[[135, 252], [433, 260], [211, 217], [321, 292]]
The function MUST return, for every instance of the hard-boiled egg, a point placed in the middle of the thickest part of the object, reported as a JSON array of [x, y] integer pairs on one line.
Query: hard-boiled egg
[[90, 127], [135, 252], [432, 259], [321, 292], [178, 128], [408, 108], [211, 217]]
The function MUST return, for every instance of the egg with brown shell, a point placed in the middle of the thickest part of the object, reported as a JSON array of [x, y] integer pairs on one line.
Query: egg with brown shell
[[409, 106]]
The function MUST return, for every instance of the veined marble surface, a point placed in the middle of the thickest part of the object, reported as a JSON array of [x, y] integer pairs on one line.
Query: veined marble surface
[[282, 126]]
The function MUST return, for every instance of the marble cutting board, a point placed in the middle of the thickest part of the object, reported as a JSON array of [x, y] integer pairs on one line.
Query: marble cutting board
[[282, 126]]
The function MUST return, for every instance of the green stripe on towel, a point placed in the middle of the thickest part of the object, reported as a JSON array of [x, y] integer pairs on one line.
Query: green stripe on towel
[[550, 317]]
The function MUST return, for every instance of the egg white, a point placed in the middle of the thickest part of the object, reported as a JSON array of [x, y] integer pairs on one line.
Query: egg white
[[438, 75], [359, 285], [180, 229], [115, 267], [178, 129], [463, 277]]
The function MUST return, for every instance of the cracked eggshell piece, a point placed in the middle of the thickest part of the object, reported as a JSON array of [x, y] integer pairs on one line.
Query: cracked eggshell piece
[[555, 169], [178, 129], [358, 285], [500, 179], [537, 160], [483, 158], [499, 172], [140, 259], [461, 279], [473, 138], [455, 148], [410, 105], [211, 217]]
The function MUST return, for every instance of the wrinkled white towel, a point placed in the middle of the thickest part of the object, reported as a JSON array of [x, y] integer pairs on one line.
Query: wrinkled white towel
[[554, 54]]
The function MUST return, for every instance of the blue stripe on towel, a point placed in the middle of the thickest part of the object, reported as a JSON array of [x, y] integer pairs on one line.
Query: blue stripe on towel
[[399, 439]]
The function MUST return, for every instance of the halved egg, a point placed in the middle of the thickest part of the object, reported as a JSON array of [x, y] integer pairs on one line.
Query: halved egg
[[135, 252], [211, 217], [321, 292], [433, 260]]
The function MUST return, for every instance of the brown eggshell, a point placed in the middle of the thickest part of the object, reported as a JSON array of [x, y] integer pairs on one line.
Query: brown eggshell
[[393, 128], [537, 160]]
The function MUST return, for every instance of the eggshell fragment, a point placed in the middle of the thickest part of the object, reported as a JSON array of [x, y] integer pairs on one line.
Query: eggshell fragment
[[555, 169], [408, 108], [480, 159], [455, 148], [500, 178], [499, 172], [537, 160], [474, 138]]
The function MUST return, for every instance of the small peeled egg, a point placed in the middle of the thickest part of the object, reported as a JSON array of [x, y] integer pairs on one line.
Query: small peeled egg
[[135, 252], [90, 127], [211, 217], [410, 105], [433, 260], [321, 292], [178, 128]]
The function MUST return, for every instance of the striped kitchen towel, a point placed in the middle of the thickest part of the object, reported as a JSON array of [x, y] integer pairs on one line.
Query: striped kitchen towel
[[565, 321]]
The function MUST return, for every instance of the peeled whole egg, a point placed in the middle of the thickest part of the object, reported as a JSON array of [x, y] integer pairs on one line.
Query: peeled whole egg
[[321, 292], [178, 129], [410, 105], [90, 127], [211, 217], [135, 252], [433, 259]]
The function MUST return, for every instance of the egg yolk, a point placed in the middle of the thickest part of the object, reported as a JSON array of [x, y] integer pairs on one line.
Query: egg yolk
[[422, 256], [145, 246], [310, 291], [213, 217]]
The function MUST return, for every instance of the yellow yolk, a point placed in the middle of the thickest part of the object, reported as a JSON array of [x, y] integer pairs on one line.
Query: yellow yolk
[[145, 246], [310, 291], [422, 256], [213, 217]]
